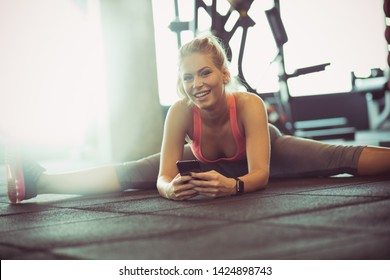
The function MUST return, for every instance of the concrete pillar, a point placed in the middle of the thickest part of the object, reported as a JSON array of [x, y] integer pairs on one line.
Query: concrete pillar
[[136, 117]]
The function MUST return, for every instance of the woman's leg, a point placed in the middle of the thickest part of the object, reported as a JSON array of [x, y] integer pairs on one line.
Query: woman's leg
[[87, 181], [140, 174], [374, 161], [27, 179], [298, 157]]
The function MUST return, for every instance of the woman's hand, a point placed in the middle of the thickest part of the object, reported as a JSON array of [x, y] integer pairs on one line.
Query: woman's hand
[[213, 184], [180, 188]]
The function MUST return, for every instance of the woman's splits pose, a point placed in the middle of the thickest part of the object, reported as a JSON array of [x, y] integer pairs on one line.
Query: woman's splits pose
[[226, 130]]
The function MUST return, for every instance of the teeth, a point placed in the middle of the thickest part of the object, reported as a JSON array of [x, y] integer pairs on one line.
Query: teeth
[[201, 94]]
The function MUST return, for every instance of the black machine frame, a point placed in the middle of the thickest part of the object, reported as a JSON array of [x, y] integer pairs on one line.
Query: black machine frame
[[281, 98]]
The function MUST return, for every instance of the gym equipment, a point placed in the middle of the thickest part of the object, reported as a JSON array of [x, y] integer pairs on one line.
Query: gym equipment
[[281, 99], [218, 22]]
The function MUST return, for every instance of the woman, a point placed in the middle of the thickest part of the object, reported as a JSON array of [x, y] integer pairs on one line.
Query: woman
[[232, 127], [228, 133]]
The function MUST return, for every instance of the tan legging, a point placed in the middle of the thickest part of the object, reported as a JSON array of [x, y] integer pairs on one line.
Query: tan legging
[[290, 157]]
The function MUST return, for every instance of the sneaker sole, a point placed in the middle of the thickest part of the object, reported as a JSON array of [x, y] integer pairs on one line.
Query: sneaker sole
[[15, 183]]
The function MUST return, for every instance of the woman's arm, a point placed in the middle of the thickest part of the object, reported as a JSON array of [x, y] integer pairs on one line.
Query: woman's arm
[[169, 183], [253, 116]]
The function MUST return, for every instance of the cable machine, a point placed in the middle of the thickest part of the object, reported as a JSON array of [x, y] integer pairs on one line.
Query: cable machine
[[281, 99], [217, 27]]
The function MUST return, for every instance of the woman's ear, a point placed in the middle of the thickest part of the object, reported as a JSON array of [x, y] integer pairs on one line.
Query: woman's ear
[[226, 76]]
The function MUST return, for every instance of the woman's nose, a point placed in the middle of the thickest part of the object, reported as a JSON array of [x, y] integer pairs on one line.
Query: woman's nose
[[198, 82]]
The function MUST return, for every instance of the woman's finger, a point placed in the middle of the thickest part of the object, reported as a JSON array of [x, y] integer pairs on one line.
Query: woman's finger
[[206, 176], [187, 193], [205, 191], [184, 195]]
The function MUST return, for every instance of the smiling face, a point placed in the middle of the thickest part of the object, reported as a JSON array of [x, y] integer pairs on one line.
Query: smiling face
[[202, 81]]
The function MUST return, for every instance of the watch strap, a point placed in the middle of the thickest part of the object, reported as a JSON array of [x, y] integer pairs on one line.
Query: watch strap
[[239, 186]]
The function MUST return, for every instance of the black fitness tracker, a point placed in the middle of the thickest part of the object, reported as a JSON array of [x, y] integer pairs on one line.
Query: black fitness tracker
[[239, 186]]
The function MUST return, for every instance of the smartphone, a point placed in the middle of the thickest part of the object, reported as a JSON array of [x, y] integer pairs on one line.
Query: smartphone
[[187, 166]]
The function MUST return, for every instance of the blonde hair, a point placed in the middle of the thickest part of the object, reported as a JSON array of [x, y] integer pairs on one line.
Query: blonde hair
[[205, 44]]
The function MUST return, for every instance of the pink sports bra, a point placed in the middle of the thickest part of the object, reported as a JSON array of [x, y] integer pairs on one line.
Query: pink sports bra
[[196, 145]]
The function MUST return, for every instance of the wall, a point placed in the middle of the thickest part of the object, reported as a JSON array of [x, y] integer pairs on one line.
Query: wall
[[136, 118]]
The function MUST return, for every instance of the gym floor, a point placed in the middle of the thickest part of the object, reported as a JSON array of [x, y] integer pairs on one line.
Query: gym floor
[[314, 218]]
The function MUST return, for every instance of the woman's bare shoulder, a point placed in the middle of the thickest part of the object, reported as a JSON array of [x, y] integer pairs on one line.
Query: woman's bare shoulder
[[180, 116], [247, 99], [180, 107]]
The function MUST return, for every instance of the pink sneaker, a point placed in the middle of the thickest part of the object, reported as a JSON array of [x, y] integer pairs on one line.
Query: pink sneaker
[[21, 177], [15, 181]]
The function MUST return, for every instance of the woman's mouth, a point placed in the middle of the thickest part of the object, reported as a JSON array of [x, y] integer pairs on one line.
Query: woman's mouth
[[202, 94]]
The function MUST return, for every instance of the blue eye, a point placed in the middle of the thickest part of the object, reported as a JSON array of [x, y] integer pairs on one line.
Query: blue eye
[[187, 78]]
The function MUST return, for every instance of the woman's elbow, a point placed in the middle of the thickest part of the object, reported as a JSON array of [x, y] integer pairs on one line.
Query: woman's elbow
[[260, 183], [264, 180]]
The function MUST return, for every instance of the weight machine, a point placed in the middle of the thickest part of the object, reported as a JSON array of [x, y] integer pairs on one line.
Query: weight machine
[[281, 99]]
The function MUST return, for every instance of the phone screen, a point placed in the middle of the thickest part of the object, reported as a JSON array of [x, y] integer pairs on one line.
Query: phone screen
[[187, 166]]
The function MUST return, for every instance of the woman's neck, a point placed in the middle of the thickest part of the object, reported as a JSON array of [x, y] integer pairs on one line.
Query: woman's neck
[[217, 115]]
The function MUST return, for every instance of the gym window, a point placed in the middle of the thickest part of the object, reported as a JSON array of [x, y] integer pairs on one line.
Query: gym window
[[349, 34]]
